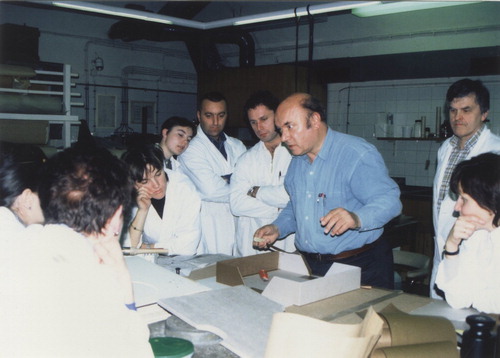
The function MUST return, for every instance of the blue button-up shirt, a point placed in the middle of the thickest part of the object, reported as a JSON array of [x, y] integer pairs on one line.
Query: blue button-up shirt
[[347, 173]]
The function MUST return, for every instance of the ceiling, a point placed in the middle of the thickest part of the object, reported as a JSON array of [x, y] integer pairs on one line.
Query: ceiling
[[206, 11], [203, 44]]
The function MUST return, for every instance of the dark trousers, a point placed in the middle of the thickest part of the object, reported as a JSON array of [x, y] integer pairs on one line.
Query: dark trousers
[[376, 265]]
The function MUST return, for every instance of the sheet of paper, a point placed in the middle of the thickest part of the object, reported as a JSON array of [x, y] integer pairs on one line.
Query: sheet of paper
[[442, 309], [239, 315], [152, 282]]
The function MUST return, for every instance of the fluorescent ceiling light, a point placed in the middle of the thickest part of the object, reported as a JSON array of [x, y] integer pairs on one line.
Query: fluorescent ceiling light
[[115, 11], [404, 6], [303, 11], [152, 17]]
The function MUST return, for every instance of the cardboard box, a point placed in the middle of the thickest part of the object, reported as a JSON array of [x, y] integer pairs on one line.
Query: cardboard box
[[290, 282]]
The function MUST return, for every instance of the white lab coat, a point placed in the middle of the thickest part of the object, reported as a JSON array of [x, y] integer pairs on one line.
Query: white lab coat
[[176, 166], [179, 230], [256, 167], [57, 300], [487, 142], [204, 165], [10, 225], [473, 277]]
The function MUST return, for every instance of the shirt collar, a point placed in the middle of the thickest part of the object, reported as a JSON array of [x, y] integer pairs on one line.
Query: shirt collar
[[217, 142], [470, 142], [325, 148]]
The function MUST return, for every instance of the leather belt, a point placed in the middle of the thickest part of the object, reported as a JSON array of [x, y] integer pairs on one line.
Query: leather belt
[[340, 256]]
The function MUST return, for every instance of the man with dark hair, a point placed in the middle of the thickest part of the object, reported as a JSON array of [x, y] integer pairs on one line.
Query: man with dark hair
[[71, 290], [468, 103], [209, 163], [176, 133], [257, 190], [341, 196]]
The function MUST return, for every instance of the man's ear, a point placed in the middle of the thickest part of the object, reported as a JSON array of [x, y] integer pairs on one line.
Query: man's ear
[[315, 120], [198, 115], [484, 116], [164, 132], [26, 198]]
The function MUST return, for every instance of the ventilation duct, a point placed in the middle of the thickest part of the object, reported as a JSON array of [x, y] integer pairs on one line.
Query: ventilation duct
[[201, 44]]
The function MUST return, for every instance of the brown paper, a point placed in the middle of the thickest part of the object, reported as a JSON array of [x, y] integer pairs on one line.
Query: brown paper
[[408, 329], [293, 335], [425, 350]]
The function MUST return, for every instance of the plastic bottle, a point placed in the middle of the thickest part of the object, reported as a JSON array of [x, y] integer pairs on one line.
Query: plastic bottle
[[417, 129], [390, 125], [477, 341]]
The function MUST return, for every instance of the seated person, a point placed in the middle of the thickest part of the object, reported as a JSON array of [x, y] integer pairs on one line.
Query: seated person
[[66, 289], [176, 133], [469, 273], [168, 206], [19, 202]]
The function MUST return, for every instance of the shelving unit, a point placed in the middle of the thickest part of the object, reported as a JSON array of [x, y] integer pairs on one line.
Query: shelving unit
[[412, 139], [63, 81]]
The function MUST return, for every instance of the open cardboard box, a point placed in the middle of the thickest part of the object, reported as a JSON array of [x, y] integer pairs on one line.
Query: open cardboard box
[[290, 281]]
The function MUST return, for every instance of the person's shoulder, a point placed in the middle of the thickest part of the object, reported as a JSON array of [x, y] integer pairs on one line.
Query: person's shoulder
[[348, 142], [254, 150], [234, 141], [180, 180], [197, 146], [249, 155], [492, 138]]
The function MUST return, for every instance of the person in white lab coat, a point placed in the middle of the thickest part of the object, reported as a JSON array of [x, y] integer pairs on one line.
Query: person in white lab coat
[[209, 162], [176, 133], [469, 273], [257, 185], [168, 206], [70, 293], [468, 102]]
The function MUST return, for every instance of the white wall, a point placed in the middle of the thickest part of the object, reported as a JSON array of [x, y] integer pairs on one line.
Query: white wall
[[360, 104], [346, 35]]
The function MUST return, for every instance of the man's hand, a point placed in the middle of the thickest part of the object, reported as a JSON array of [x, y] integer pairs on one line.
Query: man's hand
[[338, 221], [265, 236], [110, 254]]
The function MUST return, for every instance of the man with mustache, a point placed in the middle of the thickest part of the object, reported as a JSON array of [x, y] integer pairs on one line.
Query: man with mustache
[[341, 196], [468, 103], [209, 163]]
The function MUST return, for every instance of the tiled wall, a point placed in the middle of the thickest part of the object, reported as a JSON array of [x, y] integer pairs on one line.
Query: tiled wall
[[354, 109]]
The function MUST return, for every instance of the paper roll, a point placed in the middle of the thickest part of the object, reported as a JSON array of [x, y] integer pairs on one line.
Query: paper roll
[[434, 350]]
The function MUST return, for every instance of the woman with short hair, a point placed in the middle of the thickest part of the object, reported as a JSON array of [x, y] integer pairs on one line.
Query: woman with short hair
[[469, 273]]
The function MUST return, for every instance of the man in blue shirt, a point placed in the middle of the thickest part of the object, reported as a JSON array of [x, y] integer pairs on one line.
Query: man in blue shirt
[[341, 196]]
